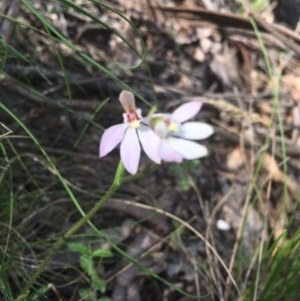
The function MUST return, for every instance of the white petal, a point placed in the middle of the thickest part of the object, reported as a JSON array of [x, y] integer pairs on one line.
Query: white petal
[[150, 142], [195, 130], [111, 138], [139, 114], [186, 111], [188, 149], [168, 153], [127, 100], [130, 151], [145, 120]]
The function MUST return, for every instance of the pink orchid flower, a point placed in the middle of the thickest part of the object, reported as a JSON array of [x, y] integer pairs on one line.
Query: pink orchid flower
[[174, 135], [130, 134]]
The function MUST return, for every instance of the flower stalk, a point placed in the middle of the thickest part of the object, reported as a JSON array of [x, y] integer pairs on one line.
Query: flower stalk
[[118, 180], [164, 137]]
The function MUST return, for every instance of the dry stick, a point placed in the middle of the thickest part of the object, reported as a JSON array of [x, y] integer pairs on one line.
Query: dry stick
[[238, 237], [58, 104], [147, 252], [8, 131], [264, 233], [250, 171], [188, 226], [6, 28], [248, 273], [192, 261], [245, 209], [198, 15], [207, 236], [220, 204]]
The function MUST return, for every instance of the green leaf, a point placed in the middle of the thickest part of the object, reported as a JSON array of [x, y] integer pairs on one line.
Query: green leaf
[[86, 294], [102, 253], [39, 293], [100, 284], [79, 247], [87, 264]]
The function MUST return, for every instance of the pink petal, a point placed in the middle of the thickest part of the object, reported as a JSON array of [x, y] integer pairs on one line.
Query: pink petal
[[168, 153], [186, 111], [195, 130], [131, 151], [111, 138], [150, 143], [189, 150], [127, 100]]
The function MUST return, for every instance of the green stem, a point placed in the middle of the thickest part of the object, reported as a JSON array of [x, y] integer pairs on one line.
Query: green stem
[[116, 184], [119, 179], [140, 174]]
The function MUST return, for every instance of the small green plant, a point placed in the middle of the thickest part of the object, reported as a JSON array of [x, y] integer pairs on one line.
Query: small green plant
[[87, 263], [183, 172], [175, 235], [41, 292], [256, 5]]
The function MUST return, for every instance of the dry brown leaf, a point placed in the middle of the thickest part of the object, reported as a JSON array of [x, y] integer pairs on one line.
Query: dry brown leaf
[[291, 84], [264, 108], [199, 55], [235, 158], [277, 175], [271, 166], [277, 219], [266, 120]]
